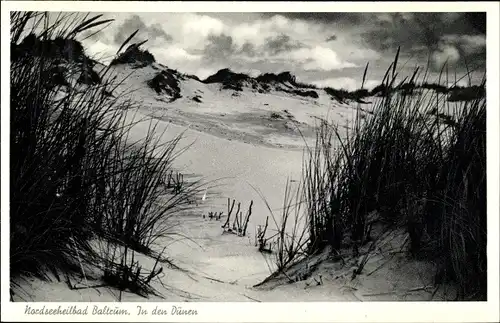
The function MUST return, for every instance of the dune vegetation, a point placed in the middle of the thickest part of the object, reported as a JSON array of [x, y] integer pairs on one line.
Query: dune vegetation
[[82, 195], [402, 167], [85, 200]]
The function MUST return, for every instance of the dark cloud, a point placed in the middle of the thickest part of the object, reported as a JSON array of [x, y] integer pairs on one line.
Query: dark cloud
[[395, 30], [418, 34], [248, 49], [427, 34], [470, 20], [156, 31], [331, 38], [466, 49], [218, 47], [280, 43], [135, 23], [477, 20], [346, 18]]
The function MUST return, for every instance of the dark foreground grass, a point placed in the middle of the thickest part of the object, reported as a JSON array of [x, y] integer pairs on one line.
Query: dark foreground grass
[[75, 176], [413, 171]]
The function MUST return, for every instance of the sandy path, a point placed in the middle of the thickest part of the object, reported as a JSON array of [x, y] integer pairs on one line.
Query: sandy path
[[216, 266], [224, 267]]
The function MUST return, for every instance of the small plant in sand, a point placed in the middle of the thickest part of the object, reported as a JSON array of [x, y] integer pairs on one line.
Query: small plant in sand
[[276, 116], [214, 215], [240, 223], [260, 238], [122, 271], [175, 182]]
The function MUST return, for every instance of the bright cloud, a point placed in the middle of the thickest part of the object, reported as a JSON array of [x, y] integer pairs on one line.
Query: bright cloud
[[175, 53], [319, 58], [446, 53], [346, 83], [195, 24]]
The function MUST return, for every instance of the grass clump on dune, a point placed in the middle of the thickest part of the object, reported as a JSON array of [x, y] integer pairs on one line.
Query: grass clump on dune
[[404, 167], [76, 177]]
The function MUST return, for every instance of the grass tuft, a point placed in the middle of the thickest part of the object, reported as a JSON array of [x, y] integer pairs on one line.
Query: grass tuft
[[416, 162], [76, 175]]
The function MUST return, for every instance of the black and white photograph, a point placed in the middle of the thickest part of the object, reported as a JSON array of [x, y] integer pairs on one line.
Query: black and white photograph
[[246, 156]]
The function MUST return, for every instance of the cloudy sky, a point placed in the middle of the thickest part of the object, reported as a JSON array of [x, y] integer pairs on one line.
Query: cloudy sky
[[323, 48]]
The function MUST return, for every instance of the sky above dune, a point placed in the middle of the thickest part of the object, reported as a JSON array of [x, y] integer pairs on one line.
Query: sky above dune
[[322, 48]]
